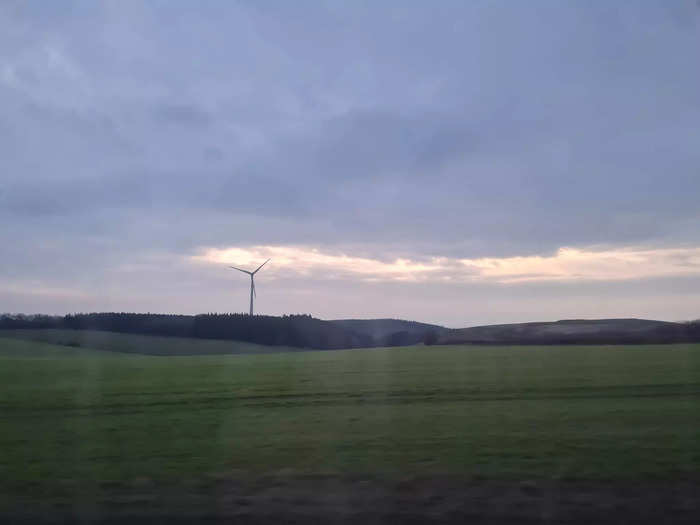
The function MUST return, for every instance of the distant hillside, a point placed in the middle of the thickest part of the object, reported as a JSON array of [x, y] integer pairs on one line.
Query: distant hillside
[[84, 342], [301, 331], [576, 331], [390, 332], [304, 331]]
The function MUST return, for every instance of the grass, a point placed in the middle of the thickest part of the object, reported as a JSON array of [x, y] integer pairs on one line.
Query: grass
[[73, 415], [141, 344]]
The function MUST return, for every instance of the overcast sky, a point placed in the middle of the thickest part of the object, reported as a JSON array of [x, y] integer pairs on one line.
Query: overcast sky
[[451, 162]]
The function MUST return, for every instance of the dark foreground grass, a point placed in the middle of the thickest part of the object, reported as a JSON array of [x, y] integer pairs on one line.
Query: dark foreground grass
[[75, 421]]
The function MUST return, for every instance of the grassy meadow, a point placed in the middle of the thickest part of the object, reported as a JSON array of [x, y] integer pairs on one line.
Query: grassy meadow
[[141, 344], [81, 417]]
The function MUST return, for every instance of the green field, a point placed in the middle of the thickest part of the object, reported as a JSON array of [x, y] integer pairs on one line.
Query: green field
[[78, 417], [141, 344]]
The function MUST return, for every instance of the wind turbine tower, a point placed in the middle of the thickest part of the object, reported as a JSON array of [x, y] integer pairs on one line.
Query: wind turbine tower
[[252, 282]]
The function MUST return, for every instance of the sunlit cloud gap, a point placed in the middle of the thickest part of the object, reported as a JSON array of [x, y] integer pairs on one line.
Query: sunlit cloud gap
[[567, 264]]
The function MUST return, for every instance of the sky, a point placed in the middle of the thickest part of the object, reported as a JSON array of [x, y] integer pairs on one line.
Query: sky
[[460, 163]]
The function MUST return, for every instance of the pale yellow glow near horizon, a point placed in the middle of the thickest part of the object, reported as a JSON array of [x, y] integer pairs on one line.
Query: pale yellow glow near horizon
[[567, 264], [581, 264], [305, 260]]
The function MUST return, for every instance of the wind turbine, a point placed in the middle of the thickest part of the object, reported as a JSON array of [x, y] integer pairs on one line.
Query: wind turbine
[[252, 282]]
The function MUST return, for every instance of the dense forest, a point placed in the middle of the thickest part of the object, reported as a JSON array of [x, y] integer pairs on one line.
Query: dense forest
[[304, 331], [301, 331]]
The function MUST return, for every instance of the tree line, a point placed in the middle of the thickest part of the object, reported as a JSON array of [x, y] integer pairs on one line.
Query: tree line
[[304, 331], [288, 330]]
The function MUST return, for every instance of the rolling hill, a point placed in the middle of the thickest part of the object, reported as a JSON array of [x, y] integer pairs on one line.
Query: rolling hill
[[304, 331], [390, 332], [575, 331]]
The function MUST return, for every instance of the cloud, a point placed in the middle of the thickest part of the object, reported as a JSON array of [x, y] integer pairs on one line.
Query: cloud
[[571, 264], [406, 145], [567, 264], [182, 114]]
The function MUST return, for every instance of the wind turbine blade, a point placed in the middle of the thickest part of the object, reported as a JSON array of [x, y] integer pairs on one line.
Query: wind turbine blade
[[244, 271], [255, 294], [263, 264]]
